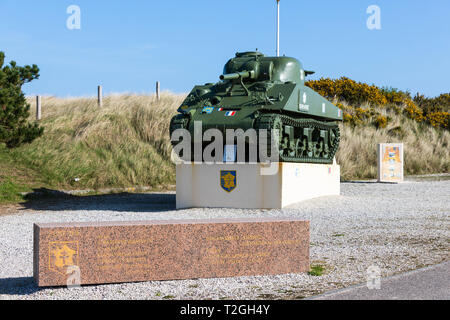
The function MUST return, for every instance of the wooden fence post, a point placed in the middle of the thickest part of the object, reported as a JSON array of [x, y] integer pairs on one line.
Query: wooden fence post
[[38, 108], [100, 96], [158, 88]]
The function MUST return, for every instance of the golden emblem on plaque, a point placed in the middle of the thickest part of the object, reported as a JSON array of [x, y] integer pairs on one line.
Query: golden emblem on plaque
[[62, 254]]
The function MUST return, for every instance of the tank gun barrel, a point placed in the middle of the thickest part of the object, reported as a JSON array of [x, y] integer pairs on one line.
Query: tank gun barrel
[[237, 75]]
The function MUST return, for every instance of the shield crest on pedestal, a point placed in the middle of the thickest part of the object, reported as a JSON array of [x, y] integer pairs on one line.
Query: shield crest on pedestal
[[228, 180]]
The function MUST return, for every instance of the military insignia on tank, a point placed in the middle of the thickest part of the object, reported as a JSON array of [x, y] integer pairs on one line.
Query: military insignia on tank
[[62, 254], [303, 106], [207, 110], [228, 180]]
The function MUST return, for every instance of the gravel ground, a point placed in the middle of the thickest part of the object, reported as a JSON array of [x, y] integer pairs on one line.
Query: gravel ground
[[395, 227]]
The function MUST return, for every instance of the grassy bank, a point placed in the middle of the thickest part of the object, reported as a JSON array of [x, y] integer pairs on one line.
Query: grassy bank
[[426, 148], [125, 143], [16, 178]]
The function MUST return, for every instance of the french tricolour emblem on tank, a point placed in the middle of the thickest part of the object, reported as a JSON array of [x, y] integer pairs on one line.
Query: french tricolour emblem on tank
[[230, 113], [228, 180]]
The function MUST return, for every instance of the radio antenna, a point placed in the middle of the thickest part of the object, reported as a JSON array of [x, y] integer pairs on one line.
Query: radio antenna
[[278, 28]]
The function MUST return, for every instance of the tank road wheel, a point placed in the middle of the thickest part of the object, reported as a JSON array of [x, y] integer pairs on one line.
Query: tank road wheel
[[278, 126], [284, 151], [317, 146], [287, 147], [325, 141], [300, 147], [318, 149], [308, 133], [334, 139]]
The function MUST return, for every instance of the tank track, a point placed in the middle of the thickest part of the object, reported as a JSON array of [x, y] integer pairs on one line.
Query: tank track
[[302, 140]]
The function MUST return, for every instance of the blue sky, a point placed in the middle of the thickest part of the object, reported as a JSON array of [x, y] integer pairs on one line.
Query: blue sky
[[128, 45]]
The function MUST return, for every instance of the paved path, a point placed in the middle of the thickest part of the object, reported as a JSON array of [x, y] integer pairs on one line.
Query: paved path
[[431, 283]]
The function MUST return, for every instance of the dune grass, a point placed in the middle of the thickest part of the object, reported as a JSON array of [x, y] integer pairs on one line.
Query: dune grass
[[126, 143], [426, 148]]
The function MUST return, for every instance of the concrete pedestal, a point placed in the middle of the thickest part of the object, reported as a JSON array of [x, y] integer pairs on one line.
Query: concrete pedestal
[[231, 185]]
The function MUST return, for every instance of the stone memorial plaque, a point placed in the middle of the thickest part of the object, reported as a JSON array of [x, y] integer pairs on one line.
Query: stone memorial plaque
[[390, 162], [114, 252]]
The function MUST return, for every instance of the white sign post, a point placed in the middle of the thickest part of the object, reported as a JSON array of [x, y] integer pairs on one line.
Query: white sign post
[[229, 153], [390, 162]]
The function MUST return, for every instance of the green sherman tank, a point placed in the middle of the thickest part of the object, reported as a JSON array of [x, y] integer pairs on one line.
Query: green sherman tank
[[262, 92]]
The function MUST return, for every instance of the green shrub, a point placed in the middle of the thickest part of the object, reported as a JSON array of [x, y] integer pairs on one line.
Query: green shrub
[[14, 109], [316, 271]]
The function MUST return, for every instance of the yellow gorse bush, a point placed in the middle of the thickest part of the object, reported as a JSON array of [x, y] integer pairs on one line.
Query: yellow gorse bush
[[439, 119], [413, 111], [348, 90], [381, 121], [350, 96]]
